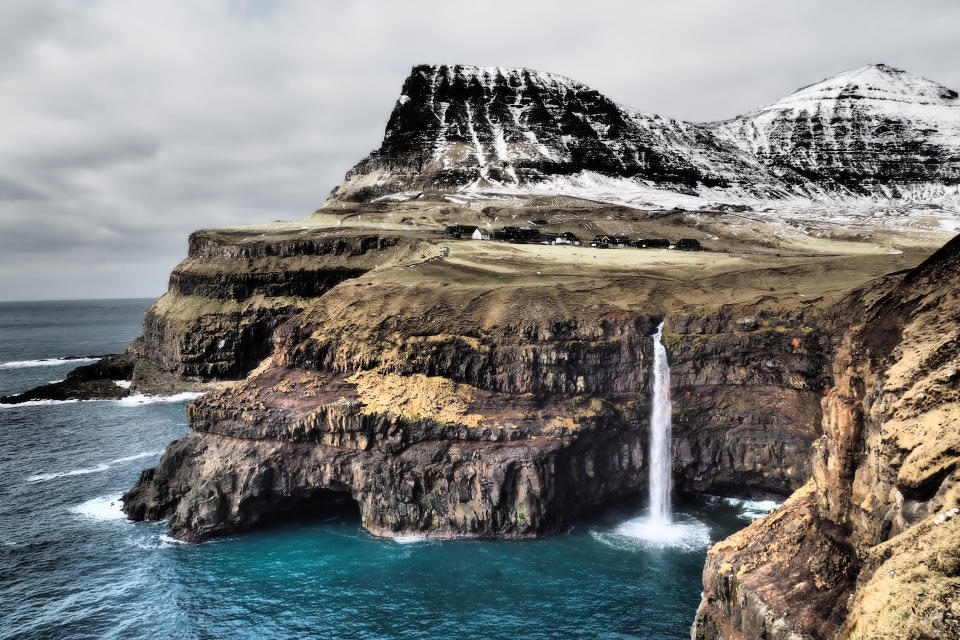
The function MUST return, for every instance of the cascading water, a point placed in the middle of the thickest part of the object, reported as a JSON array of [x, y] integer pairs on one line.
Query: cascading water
[[658, 528], [661, 483]]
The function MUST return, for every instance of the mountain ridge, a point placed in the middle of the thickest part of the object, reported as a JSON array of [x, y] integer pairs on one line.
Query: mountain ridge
[[487, 131]]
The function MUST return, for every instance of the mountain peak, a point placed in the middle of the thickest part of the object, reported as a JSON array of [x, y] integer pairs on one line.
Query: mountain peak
[[873, 131], [872, 82]]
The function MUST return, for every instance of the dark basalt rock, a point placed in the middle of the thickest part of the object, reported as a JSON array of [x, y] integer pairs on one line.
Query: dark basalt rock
[[456, 125], [88, 382], [873, 131]]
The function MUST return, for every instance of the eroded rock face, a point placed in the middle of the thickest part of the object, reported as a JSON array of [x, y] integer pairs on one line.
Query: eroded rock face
[[882, 507], [496, 412], [874, 131], [291, 439], [236, 287], [747, 387]]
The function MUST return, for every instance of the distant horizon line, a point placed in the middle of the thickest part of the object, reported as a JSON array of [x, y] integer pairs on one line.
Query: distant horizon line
[[12, 301]]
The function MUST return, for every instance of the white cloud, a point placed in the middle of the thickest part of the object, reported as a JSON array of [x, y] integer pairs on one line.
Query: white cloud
[[127, 124]]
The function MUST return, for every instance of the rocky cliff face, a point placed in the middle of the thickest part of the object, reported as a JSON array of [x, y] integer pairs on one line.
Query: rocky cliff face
[[874, 132], [452, 388], [236, 287], [490, 410], [869, 550], [462, 126]]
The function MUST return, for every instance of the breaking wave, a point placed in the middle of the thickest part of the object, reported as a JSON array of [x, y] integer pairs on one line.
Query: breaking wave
[[101, 508], [43, 477], [43, 362], [139, 398]]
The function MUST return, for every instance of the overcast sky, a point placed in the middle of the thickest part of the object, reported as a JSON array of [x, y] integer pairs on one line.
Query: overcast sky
[[128, 124]]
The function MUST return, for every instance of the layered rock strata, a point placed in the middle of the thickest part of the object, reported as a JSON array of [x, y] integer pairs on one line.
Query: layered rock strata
[[874, 132], [237, 286], [870, 549], [486, 411]]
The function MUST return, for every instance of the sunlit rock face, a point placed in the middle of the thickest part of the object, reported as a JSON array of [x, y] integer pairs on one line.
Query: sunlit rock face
[[869, 548]]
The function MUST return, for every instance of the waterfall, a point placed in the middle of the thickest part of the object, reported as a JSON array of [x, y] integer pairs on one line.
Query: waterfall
[[658, 529], [661, 483]]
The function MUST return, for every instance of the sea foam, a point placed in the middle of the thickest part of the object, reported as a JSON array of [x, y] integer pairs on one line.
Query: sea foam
[[101, 508], [752, 509], [42, 477], [133, 400], [43, 362], [136, 399]]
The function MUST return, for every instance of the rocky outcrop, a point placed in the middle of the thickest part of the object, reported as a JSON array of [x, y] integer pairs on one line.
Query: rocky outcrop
[[295, 440], [97, 381], [237, 286], [880, 514]]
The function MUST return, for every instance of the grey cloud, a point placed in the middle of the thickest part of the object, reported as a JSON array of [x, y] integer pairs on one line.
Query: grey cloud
[[127, 124]]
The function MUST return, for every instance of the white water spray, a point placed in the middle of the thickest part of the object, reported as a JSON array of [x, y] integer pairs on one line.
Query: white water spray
[[661, 484], [658, 530]]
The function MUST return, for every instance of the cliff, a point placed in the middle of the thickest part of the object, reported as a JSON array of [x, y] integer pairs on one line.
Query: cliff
[[869, 549], [467, 388]]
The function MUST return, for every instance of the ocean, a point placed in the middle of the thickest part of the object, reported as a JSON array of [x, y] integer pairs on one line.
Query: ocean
[[71, 566]]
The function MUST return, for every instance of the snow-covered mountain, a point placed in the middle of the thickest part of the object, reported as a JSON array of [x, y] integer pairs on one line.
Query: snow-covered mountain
[[869, 130], [874, 133]]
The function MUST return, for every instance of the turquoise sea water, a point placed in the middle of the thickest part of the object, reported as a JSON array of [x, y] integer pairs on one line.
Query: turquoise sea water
[[72, 567]]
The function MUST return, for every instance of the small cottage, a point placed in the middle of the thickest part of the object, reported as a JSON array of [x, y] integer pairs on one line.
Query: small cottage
[[567, 238], [652, 243], [689, 244], [460, 231]]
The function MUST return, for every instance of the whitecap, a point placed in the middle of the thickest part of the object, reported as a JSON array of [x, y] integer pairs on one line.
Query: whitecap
[[36, 403], [136, 456], [684, 534], [40, 477], [123, 384], [167, 541], [137, 399], [43, 362], [133, 400], [412, 539], [101, 508]]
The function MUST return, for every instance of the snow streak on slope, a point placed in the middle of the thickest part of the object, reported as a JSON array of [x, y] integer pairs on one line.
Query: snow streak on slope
[[873, 136]]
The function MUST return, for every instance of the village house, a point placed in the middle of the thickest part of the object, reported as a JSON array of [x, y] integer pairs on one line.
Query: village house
[[689, 244], [605, 241], [652, 243], [460, 231], [548, 238], [481, 234], [567, 238], [516, 235]]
